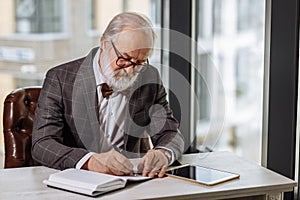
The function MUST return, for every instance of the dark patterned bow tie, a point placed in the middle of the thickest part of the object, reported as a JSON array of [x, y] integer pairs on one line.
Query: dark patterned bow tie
[[106, 90]]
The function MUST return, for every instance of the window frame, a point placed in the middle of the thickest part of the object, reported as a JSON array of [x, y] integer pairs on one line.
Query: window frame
[[280, 81], [281, 104]]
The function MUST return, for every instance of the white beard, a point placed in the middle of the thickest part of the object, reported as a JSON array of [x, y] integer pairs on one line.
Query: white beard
[[119, 80]]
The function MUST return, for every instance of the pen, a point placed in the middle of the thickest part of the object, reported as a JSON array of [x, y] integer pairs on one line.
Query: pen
[[133, 173]]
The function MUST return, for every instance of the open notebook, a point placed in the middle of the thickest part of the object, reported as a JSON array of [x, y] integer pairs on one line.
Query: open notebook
[[87, 182]]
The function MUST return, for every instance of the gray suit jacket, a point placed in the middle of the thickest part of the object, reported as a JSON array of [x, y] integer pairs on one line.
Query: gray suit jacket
[[66, 124]]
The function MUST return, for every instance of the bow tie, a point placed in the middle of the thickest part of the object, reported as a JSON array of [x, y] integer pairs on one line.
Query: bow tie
[[106, 90]]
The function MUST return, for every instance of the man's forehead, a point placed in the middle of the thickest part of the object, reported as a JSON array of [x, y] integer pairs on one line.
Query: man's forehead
[[131, 40]]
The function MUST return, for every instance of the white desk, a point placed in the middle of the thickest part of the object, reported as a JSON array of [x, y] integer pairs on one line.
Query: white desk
[[255, 182]]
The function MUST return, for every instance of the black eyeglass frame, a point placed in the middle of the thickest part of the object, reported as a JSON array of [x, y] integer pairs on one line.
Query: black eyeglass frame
[[127, 60]]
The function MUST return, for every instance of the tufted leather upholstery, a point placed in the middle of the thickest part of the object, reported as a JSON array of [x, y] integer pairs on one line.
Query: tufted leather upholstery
[[18, 115]]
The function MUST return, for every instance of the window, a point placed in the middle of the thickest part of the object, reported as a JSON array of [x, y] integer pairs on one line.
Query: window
[[38, 16], [246, 11], [230, 75]]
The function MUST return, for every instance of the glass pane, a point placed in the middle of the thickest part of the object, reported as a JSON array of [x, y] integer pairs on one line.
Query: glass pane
[[229, 76], [38, 16], [25, 57]]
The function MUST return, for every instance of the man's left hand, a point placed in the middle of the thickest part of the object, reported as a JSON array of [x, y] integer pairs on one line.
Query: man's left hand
[[155, 162]]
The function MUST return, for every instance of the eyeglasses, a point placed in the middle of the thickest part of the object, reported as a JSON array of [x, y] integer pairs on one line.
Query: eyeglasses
[[122, 62]]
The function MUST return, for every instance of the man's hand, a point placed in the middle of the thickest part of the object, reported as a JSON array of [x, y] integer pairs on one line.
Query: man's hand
[[155, 162], [110, 162]]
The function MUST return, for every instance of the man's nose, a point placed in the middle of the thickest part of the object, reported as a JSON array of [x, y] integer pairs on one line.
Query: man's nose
[[129, 68]]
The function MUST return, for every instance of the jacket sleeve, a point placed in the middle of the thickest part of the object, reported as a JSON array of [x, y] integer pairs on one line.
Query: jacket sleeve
[[48, 146], [164, 128]]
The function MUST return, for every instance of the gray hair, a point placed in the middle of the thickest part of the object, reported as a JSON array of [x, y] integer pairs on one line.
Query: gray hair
[[128, 20]]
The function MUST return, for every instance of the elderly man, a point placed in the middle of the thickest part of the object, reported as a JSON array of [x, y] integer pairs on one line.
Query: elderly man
[[96, 112]]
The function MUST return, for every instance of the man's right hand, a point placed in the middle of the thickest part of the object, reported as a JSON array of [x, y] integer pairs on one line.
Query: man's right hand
[[110, 162]]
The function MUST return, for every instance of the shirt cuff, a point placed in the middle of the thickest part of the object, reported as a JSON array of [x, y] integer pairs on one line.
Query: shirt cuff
[[169, 150], [83, 160]]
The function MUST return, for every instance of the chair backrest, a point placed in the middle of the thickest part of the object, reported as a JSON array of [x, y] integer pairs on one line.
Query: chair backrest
[[18, 115]]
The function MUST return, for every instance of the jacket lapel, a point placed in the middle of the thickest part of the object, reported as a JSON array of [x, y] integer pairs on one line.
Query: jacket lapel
[[85, 104]]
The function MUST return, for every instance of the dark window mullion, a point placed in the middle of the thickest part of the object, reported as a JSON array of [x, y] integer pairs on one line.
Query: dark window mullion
[[283, 87], [180, 21]]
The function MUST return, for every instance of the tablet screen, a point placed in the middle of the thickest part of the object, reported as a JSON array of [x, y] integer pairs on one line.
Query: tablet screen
[[202, 175]]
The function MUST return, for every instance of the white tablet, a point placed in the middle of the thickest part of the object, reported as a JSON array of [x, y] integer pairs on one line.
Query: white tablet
[[202, 175]]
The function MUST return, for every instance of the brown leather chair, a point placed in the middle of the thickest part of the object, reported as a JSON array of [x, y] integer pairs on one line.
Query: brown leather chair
[[18, 115]]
